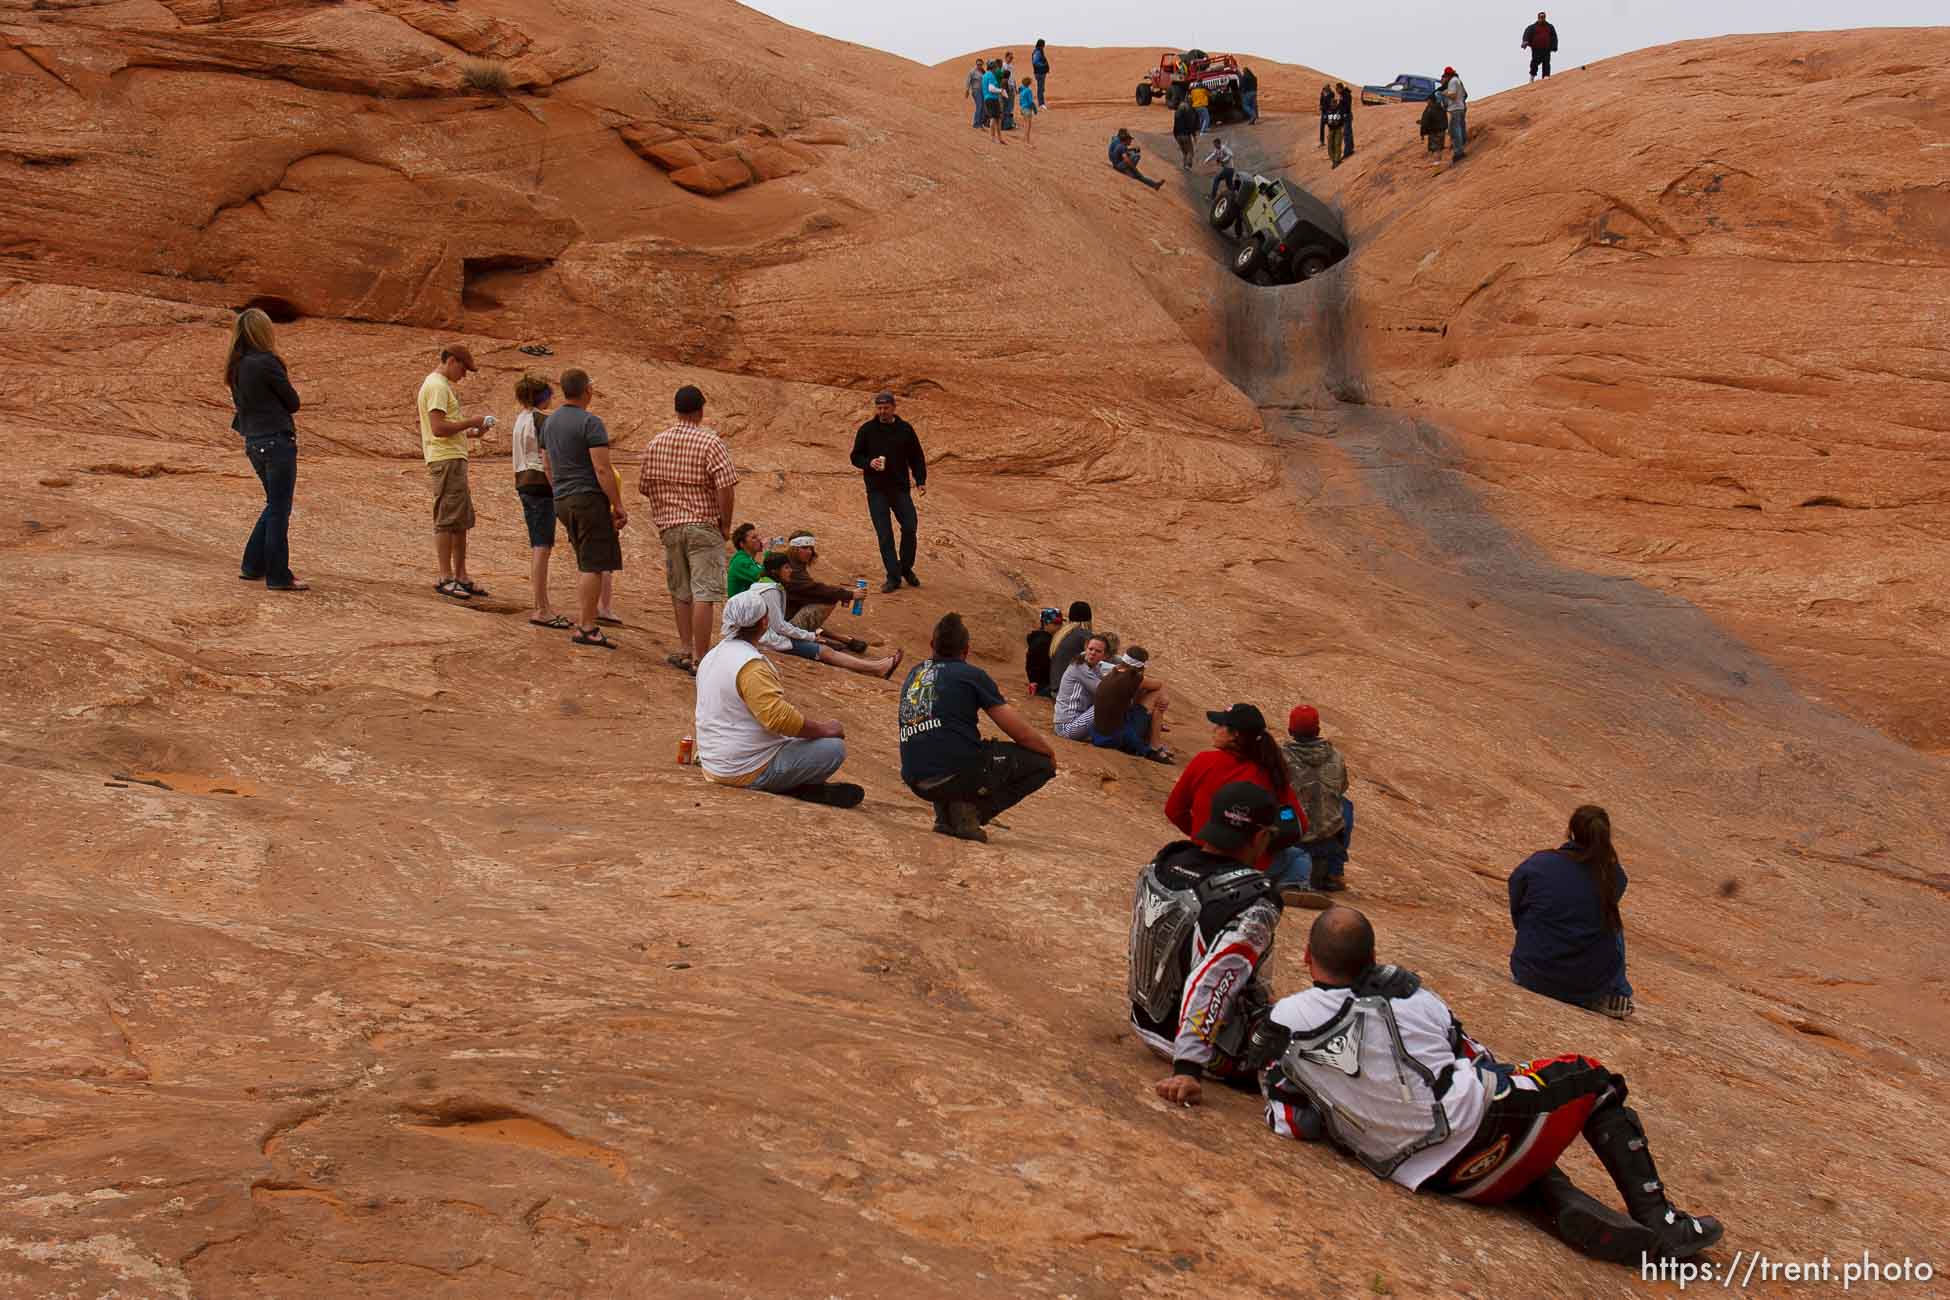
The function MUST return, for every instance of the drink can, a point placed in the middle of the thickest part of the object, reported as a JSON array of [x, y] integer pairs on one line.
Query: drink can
[[686, 751], [859, 595]]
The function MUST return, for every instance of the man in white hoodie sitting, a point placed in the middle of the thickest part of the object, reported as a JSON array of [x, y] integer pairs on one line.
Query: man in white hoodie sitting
[[748, 734]]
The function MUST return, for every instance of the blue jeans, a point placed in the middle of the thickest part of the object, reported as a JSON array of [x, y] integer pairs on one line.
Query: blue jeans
[[1132, 738], [1249, 100], [1044, 103], [1292, 866], [1225, 177], [981, 112], [268, 553], [801, 762], [884, 508], [1204, 120], [1458, 134]]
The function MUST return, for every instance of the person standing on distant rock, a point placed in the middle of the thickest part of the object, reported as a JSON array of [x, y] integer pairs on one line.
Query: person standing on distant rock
[[1125, 156], [1009, 90], [587, 499], [1327, 102], [978, 94], [1540, 38], [1202, 105], [1039, 65], [533, 490], [1564, 906], [1026, 103], [692, 485], [1071, 646], [1336, 134], [1202, 928], [443, 441], [1435, 123], [992, 100], [1344, 104], [1371, 1060], [1184, 129], [1249, 95], [264, 402], [886, 451], [748, 734], [944, 759], [1455, 101]]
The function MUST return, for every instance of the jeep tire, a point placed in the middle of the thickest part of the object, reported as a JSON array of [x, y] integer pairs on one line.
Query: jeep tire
[[1144, 95], [1248, 257], [1309, 262], [1225, 209]]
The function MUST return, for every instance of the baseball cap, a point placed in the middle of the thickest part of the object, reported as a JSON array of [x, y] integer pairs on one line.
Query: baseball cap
[[1448, 72], [1239, 811], [883, 398], [1048, 616], [1304, 720], [459, 352], [1240, 717]]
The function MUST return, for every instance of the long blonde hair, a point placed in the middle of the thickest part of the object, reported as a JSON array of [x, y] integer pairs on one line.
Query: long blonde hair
[[250, 333]]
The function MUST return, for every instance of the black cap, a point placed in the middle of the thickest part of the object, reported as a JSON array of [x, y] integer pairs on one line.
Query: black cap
[[690, 399], [1079, 611], [1240, 717], [1239, 811]]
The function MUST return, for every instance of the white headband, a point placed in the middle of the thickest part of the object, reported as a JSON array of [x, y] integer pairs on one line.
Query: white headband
[[803, 539]]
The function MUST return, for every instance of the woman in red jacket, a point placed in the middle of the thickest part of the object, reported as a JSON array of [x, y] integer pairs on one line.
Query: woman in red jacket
[[1242, 750]]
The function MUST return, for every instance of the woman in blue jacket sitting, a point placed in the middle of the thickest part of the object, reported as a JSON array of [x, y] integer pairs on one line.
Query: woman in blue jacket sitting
[[1570, 937]]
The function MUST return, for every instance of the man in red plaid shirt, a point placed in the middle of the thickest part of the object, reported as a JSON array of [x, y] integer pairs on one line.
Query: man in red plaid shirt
[[692, 485]]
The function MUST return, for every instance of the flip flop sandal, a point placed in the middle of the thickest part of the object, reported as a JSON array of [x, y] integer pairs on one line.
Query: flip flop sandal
[[556, 621], [538, 350], [470, 588], [592, 636], [609, 621], [682, 663], [454, 589], [898, 656]]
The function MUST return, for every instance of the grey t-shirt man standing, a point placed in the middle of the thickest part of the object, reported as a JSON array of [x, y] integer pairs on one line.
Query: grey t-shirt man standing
[[575, 452]]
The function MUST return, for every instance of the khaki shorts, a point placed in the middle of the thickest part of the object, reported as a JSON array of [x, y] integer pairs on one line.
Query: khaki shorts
[[453, 505], [695, 562], [811, 617]]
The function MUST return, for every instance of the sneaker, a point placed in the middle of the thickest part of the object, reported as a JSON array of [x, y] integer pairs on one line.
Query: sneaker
[[1616, 1005], [960, 820], [1295, 896], [831, 794]]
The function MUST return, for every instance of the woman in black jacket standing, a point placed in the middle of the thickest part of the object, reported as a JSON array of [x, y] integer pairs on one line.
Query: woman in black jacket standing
[[264, 399]]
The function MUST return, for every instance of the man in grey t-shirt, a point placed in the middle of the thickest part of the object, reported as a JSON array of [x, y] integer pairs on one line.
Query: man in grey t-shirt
[[588, 501]]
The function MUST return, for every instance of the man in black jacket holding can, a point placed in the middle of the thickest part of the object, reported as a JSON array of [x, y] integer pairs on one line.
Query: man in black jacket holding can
[[887, 451]]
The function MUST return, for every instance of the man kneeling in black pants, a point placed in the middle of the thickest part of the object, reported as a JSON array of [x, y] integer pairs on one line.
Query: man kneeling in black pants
[[944, 759]]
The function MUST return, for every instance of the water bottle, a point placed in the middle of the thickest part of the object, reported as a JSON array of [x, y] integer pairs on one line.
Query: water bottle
[[859, 596]]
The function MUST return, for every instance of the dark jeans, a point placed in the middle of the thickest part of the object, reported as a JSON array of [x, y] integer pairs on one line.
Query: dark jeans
[[1040, 101], [1348, 137], [1226, 176], [981, 111], [1003, 776], [1330, 855], [1540, 59], [268, 553], [886, 507]]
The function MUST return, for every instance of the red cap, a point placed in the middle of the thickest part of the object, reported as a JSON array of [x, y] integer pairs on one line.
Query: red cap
[[1303, 721], [1448, 72]]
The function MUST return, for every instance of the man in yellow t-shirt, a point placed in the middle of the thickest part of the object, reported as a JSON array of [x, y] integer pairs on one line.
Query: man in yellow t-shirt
[[443, 441]]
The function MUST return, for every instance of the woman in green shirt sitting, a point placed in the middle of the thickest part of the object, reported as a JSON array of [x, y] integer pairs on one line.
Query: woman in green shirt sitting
[[746, 545]]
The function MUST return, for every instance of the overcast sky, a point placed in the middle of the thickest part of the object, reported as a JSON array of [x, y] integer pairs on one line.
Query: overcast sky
[[1371, 40]]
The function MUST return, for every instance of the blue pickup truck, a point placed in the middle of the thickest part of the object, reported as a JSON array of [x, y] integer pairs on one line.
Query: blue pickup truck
[[1404, 89]]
